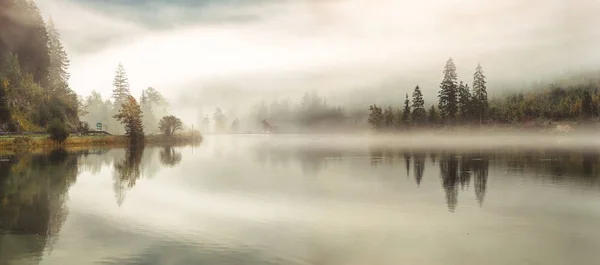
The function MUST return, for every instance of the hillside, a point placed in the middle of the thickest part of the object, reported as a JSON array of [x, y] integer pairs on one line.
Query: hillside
[[34, 74]]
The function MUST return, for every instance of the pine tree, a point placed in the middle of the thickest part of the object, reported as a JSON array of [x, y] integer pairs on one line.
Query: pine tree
[[464, 102], [131, 116], [398, 122], [406, 111], [120, 92], [480, 98], [447, 95], [388, 118], [30, 39], [419, 114], [159, 104], [376, 117], [433, 117], [58, 75]]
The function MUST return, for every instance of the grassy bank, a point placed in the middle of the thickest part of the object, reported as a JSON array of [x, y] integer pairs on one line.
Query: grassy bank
[[33, 142]]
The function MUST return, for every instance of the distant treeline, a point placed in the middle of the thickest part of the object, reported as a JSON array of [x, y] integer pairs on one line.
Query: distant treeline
[[458, 104], [309, 112]]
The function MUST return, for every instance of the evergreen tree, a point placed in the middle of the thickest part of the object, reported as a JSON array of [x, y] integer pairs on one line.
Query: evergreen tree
[[58, 75], [433, 117], [586, 105], [120, 92], [130, 115], [447, 95], [5, 115], [464, 102], [23, 32], [419, 114], [388, 118], [406, 111], [398, 122], [220, 120], [376, 117], [480, 98], [158, 103]]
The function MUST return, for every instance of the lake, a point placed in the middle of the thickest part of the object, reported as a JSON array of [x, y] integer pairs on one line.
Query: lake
[[257, 199]]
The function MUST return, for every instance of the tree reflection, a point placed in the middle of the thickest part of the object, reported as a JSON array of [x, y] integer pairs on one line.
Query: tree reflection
[[169, 157], [419, 165], [465, 171], [455, 171], [460, 170], [32, 201], [407, 163], [449, 173], [480, 166], [127, 172]]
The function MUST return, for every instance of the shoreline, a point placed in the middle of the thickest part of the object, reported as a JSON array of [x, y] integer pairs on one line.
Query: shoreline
[[24, 142]]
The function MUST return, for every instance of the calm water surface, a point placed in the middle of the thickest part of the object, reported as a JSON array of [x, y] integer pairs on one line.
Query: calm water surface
[[299, 200]]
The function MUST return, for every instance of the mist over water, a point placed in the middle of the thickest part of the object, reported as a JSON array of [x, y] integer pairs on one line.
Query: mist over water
[[266, 71], [304, 199]]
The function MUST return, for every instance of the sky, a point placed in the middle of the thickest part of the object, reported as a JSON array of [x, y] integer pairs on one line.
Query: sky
[[228, 52]]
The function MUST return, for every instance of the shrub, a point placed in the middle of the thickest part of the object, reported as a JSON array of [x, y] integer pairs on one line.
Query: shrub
[[83, 127], [168, 125], [22, 141], [58, 131]]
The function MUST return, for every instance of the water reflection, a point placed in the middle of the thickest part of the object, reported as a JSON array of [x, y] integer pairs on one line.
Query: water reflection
[[127, 172], [284, 204], [169, 156], [32, 201], [419, 165]]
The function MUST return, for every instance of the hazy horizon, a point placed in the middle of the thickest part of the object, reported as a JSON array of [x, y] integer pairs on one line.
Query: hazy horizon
[[231, 53]]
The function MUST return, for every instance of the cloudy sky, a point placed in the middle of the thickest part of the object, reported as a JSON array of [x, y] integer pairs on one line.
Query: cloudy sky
[[230, 50]]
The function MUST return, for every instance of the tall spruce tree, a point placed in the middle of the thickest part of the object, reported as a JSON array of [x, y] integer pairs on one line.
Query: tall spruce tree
[[406, 111], [121, 91], [480, 97], [464, 102], [448, 89], [58, 75], [419, 114]]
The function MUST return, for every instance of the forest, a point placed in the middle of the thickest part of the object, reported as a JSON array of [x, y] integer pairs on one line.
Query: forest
[[458, 104], [34, 90], [35, 96]]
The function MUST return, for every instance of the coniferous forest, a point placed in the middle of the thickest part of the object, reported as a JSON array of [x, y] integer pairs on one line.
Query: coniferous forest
[[35, 95], [457, 103]]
